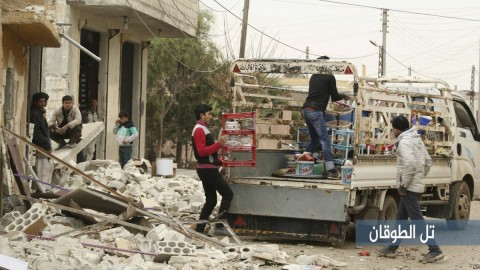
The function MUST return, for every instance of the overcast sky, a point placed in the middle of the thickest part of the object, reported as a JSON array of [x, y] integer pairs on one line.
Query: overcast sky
[[433, 46]]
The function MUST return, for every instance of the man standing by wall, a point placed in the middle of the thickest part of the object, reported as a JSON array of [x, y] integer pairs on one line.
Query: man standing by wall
[[66, 123], [89, 115], [41, 137], [413, 164]]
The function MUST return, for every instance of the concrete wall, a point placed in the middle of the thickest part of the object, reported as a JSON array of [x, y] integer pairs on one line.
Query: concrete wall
[[14, 82]]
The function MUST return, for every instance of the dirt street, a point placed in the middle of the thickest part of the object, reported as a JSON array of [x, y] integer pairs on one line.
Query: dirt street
[[456, 257]]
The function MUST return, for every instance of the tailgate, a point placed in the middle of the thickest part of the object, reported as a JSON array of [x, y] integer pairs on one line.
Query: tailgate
[[290, 198]]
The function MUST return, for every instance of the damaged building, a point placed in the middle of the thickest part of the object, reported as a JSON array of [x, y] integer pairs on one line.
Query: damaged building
[[114, 69]]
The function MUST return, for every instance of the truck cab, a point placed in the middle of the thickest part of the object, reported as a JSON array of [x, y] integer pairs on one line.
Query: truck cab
[[304, 208]]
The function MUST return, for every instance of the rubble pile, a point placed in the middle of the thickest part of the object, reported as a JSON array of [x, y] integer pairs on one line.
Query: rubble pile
[[48, 237]]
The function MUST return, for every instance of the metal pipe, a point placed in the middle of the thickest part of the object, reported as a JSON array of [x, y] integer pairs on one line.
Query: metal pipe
[[433, 202], [78, 45], [357, 208]]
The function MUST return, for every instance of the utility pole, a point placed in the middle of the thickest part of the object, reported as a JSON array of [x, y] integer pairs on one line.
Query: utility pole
[[384, 41], [243, 40], [472, 89], [410, 74], [308, 52]]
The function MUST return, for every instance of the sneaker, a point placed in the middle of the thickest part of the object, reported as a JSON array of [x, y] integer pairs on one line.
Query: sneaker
[[221, 232], [61, 144], [72, 145], [432, 256], [387, 252], [333, 174]]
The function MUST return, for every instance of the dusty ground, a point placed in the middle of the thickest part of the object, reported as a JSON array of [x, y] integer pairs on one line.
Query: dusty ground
[[456, 257]]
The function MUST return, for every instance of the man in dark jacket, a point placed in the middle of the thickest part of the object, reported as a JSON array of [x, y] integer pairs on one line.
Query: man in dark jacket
[[321, 88], [41, 137], [205, 149]]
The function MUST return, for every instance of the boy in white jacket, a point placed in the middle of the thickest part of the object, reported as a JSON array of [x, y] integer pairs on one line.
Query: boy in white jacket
[[413, 164], [126, 134]]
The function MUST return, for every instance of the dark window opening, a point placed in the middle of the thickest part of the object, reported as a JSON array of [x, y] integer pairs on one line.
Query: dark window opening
[[126, 88], [88, 77], [465, 118]]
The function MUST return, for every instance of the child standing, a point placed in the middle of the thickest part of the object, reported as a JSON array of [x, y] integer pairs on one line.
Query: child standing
[[126, 134]]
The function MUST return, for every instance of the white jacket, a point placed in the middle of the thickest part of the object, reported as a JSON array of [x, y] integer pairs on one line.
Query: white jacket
[[413, 161], [74, 117]]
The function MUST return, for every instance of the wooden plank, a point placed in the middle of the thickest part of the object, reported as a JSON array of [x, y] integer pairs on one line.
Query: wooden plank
[[17, 168], [1, 174]]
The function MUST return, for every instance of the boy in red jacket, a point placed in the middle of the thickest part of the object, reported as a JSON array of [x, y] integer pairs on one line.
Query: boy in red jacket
[[205, 149]]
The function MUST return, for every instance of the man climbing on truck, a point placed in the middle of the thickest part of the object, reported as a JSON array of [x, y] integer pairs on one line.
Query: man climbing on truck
[[321, 88]]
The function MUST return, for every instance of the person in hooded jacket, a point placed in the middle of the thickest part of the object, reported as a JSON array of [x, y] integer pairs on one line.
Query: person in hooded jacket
[[126, 134], [413, 164]]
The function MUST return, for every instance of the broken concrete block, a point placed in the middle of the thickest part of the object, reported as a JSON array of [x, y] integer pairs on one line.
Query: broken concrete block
[[231, 255], [158, 233], [112, 234], [109, 261], [178, 262], [8, 218], [245, 252], [115, 184], [67, 221], [175, 248], [174, 236], [320, 260], [146, 245], [31, 222], [123, 244], [56, 229]]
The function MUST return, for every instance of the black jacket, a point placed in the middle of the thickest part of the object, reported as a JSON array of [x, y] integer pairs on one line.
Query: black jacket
[[320, 89], [41, 136]]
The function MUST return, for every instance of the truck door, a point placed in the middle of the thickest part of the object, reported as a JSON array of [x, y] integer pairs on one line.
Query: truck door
[[468, 136]]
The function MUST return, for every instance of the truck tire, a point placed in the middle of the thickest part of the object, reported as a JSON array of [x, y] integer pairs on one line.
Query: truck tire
[[390, 209], [460, 206]]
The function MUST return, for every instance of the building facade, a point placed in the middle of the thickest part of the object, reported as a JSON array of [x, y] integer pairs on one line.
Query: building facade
[[118, 33], [25, 29]]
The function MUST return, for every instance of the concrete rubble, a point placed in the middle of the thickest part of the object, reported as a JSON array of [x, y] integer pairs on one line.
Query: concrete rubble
[[46, 238]]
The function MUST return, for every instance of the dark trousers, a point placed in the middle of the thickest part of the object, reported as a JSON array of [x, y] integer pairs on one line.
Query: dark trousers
[[73, 134], [212, 182], [409, 207], [124, 153]]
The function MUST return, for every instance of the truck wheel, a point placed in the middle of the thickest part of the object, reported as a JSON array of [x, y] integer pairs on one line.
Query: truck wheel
[[389, 211], [460, 207]]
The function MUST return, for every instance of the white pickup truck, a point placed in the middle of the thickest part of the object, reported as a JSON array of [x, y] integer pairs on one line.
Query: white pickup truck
[[266, 207]]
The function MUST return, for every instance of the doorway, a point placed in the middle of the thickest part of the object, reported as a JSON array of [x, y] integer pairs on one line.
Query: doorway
[[126, 86], [88, 77]]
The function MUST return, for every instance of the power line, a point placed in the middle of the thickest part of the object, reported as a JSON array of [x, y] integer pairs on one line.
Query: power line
[[401, 11], [165, 48], [283, 43], [410, 67]]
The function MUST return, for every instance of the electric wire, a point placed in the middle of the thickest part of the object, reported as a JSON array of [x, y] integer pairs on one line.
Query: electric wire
[[283, 43], [401, 11]]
